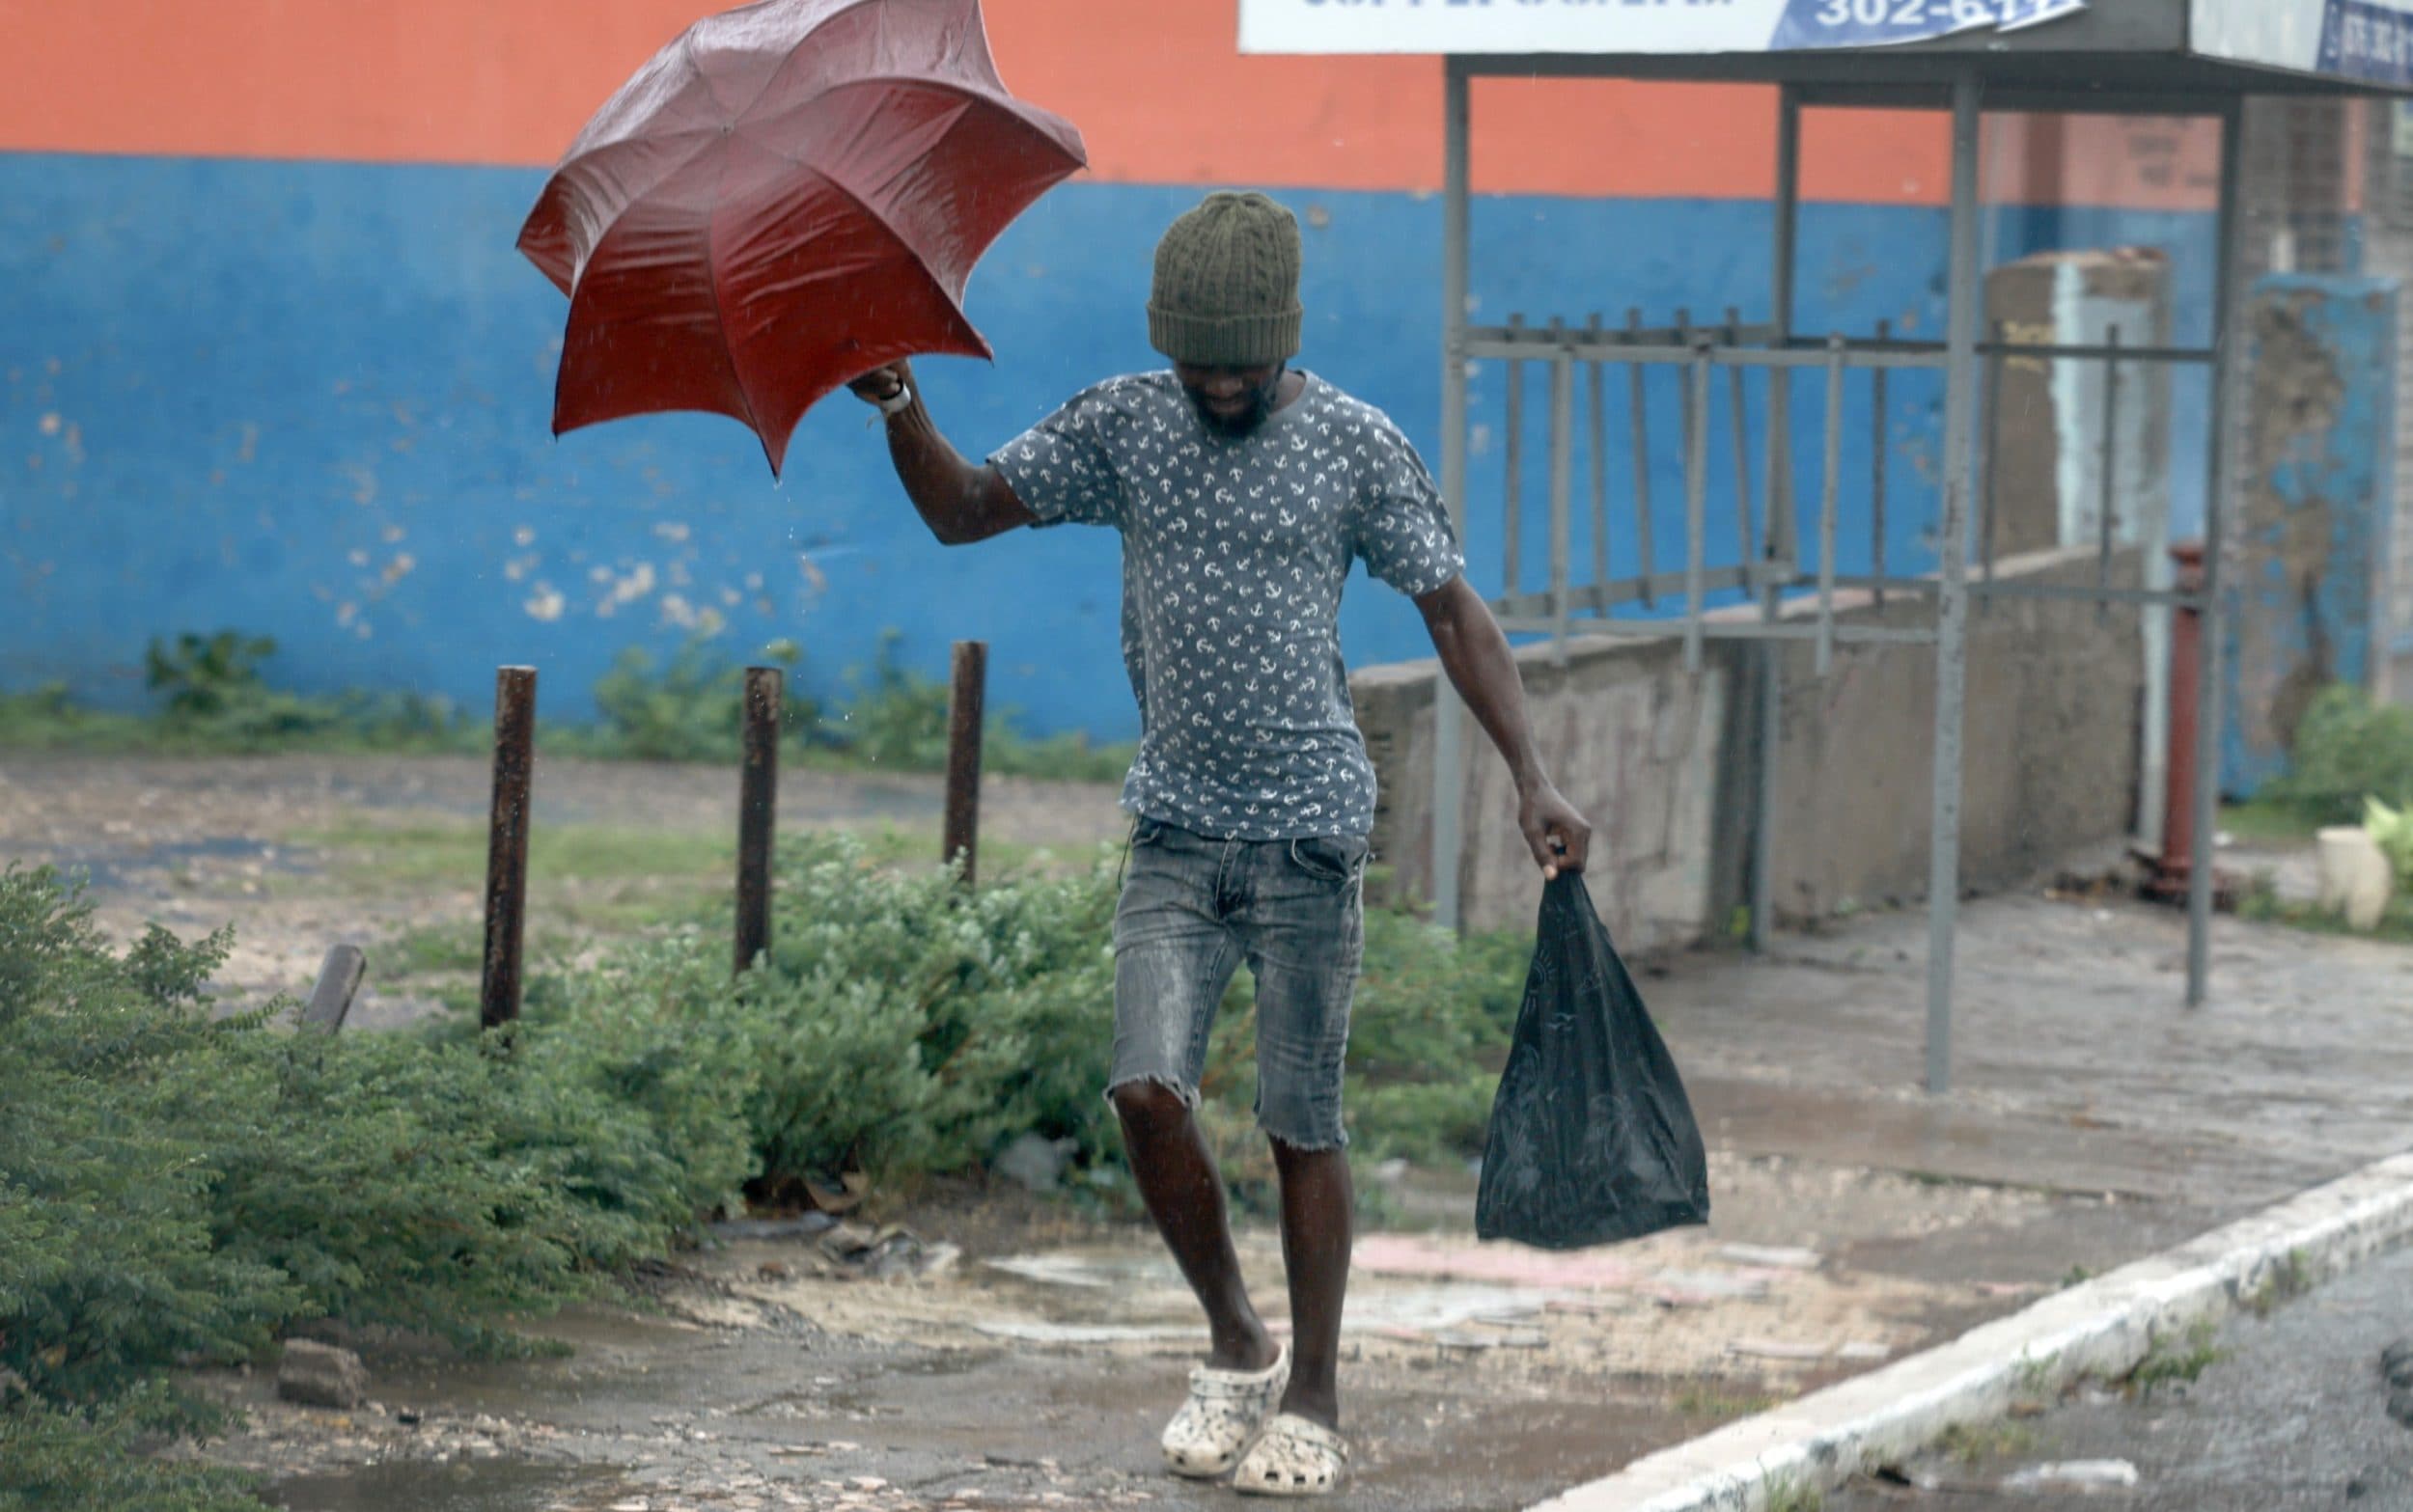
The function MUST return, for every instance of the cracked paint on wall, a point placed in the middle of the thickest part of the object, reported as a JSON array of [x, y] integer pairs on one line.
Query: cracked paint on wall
[[2317, 513]]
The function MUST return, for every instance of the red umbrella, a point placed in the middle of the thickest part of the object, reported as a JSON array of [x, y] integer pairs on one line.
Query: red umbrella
[[788, 196]]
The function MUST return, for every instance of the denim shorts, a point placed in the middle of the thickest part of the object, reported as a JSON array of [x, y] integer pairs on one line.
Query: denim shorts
[[1192, 910]]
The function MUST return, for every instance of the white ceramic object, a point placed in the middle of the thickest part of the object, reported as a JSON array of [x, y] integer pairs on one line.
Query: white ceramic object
[[2355, 877]]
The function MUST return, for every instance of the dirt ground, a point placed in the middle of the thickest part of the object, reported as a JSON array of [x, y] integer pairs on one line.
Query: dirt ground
[[1036, 1368], [1022, 1356]]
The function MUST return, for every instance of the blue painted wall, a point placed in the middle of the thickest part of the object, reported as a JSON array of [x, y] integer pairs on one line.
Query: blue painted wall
[[2317, 513], [311, 399]]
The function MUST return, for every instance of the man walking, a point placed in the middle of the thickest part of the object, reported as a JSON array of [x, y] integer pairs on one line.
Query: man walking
[[1243, 490]]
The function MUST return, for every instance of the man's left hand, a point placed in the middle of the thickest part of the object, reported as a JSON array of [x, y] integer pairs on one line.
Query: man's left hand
[[1561, 838]]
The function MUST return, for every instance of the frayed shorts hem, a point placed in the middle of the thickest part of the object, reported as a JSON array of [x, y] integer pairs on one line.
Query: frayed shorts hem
[[1174, 1085]]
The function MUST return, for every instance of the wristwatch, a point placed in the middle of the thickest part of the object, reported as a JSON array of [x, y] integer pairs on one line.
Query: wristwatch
[[897, 403]]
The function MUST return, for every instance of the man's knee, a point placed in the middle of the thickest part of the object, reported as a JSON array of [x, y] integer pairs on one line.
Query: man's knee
[[1149, 1105]]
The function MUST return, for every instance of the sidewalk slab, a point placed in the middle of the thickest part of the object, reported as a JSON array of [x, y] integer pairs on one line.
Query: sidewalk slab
[[2100, 1327]]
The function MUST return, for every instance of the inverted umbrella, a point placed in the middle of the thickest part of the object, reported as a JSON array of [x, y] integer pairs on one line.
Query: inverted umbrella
[[787, 196]]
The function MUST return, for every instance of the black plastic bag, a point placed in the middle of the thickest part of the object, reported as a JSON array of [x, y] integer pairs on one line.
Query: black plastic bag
[[1591, 1137]]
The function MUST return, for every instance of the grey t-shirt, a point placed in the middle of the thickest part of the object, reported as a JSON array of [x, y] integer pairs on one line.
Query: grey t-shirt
[[1234, 551]]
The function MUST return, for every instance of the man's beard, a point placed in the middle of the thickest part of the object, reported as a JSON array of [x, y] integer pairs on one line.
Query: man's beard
[[1261, 404]]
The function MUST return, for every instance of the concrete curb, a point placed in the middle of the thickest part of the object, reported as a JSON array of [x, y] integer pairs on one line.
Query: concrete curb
[[2103, 1327]]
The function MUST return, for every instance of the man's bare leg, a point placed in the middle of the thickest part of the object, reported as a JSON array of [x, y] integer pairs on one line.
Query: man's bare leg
[[1184, 1191], [1318, 1205]]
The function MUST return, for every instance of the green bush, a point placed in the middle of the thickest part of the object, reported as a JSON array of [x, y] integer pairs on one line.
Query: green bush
[[214, 699], [180, 1190], [896, 719], [53, 1459], [201, 675], [903, 1027], [692, 710], [2348, 748]]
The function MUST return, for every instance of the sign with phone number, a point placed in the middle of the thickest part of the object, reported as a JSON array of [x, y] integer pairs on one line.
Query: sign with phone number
[[1874, 23], [1622, 26]]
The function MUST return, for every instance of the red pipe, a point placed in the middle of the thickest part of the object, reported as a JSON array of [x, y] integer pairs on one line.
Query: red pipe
[[2186, 635]]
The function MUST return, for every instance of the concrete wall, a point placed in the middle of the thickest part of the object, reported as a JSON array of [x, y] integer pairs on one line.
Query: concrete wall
[[1660, 760]]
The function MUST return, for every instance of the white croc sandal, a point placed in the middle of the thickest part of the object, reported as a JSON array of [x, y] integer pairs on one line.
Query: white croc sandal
[[1223, 1414], [1293, 1457]]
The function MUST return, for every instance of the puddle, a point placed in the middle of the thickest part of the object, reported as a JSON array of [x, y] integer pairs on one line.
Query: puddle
[[480, 1486]]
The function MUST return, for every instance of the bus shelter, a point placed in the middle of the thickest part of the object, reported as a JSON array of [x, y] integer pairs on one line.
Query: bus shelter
[[2175, 58]]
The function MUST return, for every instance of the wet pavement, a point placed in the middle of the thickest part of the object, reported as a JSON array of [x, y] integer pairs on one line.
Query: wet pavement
[[2076, 1066], [2291, 1417]]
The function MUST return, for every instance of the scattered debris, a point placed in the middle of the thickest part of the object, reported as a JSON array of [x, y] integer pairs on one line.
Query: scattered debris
[[1089, 1332], [1907, 1476], [1776, 1257], [853, 1188], [1507, 1338], [1590, 1306], [1776, 1349], [320, 1375], [1059, 1269], [804, 1225], [1709, 1286], [887, 1254], [2082, 1477]]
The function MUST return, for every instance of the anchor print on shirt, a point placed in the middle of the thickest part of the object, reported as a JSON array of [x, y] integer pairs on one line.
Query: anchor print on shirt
[[1236, 555]]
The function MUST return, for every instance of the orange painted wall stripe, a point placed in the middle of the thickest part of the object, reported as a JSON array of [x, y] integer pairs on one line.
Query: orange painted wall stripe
[[1158, 89]]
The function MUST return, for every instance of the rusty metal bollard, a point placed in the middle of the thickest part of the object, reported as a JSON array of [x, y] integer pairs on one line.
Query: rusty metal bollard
[[506, 846], [962, 842], [2186, 635], [757, 800]]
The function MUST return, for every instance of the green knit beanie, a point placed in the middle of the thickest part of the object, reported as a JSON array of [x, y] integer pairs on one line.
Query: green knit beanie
[[1226, 293]]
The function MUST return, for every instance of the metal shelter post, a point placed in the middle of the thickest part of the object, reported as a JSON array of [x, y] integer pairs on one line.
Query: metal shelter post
[[1777, 535], [1952, 612], [2228, 369], [1449, 713]]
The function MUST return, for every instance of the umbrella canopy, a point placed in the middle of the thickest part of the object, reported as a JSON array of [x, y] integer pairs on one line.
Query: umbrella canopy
[[785, 198]]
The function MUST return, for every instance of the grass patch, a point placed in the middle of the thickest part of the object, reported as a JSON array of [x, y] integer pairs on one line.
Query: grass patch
[[432, 950], [2263, 904], [213, 699], [2177, 1361], [2035, 1374], [437, 853], [2291, 1278], [1976, 1443], [1714, 1401], [2265, 821], [1794, 1495]]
